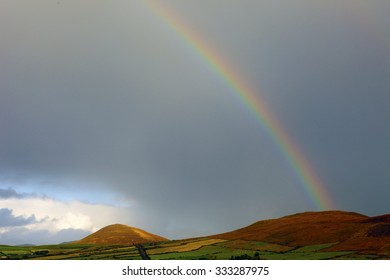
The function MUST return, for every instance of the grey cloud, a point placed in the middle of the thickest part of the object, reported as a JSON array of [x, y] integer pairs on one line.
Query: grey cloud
[[8, 219], [10, 193]]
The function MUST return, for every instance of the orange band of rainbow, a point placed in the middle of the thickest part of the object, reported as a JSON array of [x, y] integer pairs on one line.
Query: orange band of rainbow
[[253, 101]]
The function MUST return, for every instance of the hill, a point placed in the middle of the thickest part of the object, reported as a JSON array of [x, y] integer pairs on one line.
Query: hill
[[120, 235], [347, 230]]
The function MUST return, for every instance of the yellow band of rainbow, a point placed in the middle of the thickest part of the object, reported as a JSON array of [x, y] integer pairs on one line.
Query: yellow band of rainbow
[[253, 101]]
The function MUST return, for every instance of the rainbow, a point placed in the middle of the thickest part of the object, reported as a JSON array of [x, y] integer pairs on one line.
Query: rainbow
[[253, 101]]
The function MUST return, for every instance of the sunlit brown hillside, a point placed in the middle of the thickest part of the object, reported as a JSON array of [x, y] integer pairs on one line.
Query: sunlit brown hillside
[[349, 231], [120, 235]]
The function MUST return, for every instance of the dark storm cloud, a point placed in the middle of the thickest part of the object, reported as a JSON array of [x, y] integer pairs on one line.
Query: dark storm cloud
[[9, 193], [334, 100], [108, 93], [12, 193], [8, 219]]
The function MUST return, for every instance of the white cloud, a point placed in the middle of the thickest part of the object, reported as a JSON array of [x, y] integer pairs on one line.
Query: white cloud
[[54, 219], [76, 221]]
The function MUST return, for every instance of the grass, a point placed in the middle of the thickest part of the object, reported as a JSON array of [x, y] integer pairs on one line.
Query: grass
[[313, 248], [184, 247], [305, 255], [257, 246], [190, 249], [215, 251], [69, 251]]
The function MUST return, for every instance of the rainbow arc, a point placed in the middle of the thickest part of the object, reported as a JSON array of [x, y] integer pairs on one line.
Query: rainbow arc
[[253, 101]]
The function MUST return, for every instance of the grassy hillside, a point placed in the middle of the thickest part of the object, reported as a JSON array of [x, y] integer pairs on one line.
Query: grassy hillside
[[120, 235], [347, 231]]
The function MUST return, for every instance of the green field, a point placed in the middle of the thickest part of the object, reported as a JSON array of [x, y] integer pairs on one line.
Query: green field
[[190, 249], [69, 252]]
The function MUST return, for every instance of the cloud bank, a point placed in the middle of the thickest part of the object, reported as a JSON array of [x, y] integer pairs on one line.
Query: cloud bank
[[37, 220]]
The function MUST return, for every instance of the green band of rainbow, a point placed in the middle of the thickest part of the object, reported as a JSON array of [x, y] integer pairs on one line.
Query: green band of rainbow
[[252, 100]]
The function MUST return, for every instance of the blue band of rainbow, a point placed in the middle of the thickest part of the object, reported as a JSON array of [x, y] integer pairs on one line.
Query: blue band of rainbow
[[255, 104]]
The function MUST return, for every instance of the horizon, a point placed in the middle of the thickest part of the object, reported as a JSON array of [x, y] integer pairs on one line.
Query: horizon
[[189, 119]]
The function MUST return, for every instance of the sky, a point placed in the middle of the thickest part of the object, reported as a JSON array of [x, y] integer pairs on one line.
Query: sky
[[109, 115]]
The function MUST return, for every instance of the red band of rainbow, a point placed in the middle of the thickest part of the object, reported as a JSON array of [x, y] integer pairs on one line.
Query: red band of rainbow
[[253, 101]]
